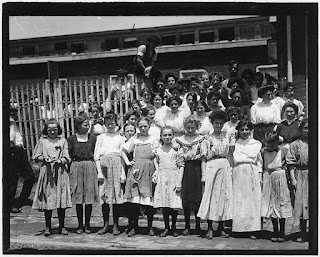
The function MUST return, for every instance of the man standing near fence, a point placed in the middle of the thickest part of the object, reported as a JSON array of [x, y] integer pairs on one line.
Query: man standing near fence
[[19, 164], [144, 62]]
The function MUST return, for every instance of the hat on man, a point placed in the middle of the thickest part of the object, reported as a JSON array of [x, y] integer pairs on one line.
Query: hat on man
[[262, 90]]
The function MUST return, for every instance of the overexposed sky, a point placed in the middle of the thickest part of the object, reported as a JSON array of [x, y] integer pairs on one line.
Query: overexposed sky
[[22, 27]]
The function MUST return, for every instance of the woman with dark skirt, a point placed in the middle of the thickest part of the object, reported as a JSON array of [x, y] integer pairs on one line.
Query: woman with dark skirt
[[265, 114]]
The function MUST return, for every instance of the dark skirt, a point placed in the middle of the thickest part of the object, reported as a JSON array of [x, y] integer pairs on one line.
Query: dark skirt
[[191, 192], [259, 131]]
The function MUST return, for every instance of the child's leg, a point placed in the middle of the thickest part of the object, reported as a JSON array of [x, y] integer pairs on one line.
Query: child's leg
[[303, 226], [150, 212], [209, 234], [275, 236], [47, 217], [187, 221], [165, 213], [105, 213], [115, 230], [87, 215], [61, 216], [198, 229], [135, 219], [79, 209], [282, 230], [174, 215]]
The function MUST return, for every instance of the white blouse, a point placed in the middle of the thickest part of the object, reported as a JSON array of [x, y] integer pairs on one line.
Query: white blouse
[[108, 143], [205, 126], [265, 113], [248, 151]]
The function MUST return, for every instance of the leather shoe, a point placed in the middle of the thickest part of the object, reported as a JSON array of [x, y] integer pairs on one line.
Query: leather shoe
[[185, 232], [63, 231], [79, 231], [115, 230], [47, 232], [87, 230], [209, 234], [175, 233], [103, 230], [151, 232], [165, 233], [15, 210], [131, 233]]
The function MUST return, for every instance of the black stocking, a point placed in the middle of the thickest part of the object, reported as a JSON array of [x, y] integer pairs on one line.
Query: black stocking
[[47, 216], [79, 210], [87, 214], [61, 215]]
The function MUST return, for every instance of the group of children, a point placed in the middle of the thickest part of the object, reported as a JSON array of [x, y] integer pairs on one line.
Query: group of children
[[219, 176]]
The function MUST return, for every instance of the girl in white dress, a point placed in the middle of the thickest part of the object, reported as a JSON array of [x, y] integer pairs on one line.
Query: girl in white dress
[[216, 203], [276, 202], [168, 177], [110, 172], [246, 176]]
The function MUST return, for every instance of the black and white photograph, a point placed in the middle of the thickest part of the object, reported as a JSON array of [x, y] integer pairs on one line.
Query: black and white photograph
[[160, 128]]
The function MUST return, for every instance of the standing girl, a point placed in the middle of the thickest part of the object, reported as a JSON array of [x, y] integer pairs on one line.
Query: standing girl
[[83, 172], [246, 176], [191, 192], [96, 122], [216, 203], [110, 172], [168, 177], [297, 162], [53, 187], [276, 201], [139, 189]]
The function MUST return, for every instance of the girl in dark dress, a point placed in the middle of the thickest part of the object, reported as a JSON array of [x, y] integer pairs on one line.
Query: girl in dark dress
[[289, 129], [83, 172]]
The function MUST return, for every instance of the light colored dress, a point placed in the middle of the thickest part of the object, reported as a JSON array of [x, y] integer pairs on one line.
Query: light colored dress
[[246, 185], [231, 128], [175, 120], [276, 201], [53, 187], [154, 131], [298, 156], [107, 150], [139, 180], [217, 199], [169, 177]]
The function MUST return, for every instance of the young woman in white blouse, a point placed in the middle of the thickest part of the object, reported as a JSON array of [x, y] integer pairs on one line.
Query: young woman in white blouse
[[265, 114]]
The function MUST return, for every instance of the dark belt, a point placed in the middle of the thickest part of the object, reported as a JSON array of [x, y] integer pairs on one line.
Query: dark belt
[[302, 167], [261, 125], [196, 161], [80, 160]]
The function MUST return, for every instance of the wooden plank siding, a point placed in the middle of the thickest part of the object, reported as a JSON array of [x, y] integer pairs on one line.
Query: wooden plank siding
[[64, 100]]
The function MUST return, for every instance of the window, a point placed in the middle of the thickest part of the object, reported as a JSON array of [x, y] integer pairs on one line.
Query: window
[[130, 42], [247, 32], [206, 36], [78, 47], [109, 44], [14, 51], [45, 49], [187, 38], [168, 40], [226, 34], [60, 46], [266, 30], [28, 50], [191, 73]]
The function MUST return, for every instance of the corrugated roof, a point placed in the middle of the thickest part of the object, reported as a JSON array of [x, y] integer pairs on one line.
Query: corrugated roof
[[24, 27]]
